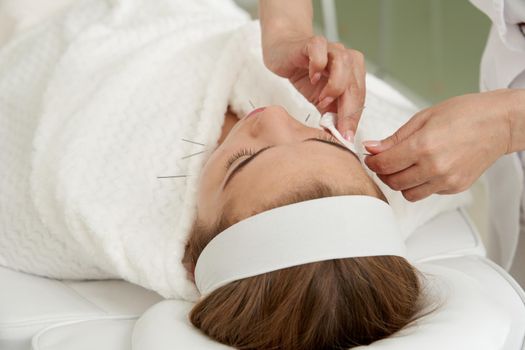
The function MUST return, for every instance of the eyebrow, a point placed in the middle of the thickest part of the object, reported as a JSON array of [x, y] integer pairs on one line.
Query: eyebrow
[[242, 164]]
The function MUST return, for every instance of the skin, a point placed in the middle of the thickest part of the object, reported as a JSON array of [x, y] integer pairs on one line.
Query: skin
[[445, 148], [290, 163], [328, 74]]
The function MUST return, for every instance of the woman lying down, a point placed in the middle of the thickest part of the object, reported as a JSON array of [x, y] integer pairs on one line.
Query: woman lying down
[[270, 160], [134, 152]]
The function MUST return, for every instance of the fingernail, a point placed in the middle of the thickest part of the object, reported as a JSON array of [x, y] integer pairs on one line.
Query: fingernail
[[326, 102], [316, 78], [371, 144], [349, 135]]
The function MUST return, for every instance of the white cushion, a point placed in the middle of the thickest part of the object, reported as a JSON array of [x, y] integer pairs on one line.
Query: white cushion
[[501, 286], [29, 303], [447, 235], [111, 334], [481, 308], [469, 318]]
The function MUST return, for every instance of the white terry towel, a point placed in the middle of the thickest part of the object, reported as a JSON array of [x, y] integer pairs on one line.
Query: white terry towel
[[94, 103]]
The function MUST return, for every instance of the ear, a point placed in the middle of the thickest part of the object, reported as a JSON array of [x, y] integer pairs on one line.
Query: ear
[[190, 271], [189, 266]]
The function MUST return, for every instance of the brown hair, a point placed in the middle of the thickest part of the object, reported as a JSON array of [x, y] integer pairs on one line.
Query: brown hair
[[325, 305]]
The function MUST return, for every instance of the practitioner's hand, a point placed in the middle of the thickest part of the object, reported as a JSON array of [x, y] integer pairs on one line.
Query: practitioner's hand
[[329, 75], [445, 148]]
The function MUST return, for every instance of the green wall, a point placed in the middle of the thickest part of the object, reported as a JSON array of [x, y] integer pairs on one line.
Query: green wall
[[430, 47]]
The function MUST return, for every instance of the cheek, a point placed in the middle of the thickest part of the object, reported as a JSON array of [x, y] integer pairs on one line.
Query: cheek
[[211, 178], [209, 194], [205, 198], [210, 174]]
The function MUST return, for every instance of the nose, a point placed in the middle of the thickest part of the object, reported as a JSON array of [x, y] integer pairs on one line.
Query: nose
[[274, 124]]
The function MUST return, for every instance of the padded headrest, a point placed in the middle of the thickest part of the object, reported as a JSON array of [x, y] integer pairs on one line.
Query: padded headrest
[[467, 318]]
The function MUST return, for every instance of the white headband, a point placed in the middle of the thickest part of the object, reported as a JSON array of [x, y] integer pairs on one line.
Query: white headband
[[300, 233]]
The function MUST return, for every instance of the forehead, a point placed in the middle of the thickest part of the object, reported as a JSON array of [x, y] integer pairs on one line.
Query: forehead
[[288, 168]]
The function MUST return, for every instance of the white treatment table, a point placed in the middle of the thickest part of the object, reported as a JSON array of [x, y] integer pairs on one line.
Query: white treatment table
[[45, 314]]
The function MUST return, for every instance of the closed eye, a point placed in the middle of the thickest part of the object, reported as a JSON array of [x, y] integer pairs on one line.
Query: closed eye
[[246, 161]]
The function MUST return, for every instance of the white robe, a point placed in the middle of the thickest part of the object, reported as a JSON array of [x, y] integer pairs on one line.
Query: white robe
[[503, 66]]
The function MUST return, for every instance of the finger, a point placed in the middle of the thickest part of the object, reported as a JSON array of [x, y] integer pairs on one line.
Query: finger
[[406, 179], [338, 79], [317, 53], [351, 106], [419, 192], [395, 159], [404, 132], [358, 90], [344, 123]]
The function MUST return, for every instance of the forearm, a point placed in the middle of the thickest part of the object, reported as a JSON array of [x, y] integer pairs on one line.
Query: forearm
[[278, 16], [516, 117]]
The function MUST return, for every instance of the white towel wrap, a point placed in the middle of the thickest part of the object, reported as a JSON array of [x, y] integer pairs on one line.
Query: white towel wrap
[[315, 230]]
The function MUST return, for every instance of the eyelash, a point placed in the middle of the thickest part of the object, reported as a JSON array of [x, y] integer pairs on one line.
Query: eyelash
[[329, 138], [250, 152], [240, 153]]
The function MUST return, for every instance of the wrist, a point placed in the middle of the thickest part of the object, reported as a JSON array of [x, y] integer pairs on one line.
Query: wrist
[[280, 39], [283, 18], [281, 28], [515, 103], [283, 22], [289, 12]]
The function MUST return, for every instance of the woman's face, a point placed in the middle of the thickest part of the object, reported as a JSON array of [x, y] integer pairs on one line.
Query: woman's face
[[267, 155]]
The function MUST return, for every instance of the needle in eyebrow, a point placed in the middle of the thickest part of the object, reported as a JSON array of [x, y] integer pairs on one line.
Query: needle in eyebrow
[[307, 117], [194, 154], [194, 142], [251, 104], [171, 176]]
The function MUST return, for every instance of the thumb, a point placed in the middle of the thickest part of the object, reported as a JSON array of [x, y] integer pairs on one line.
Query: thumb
[[410, 127]]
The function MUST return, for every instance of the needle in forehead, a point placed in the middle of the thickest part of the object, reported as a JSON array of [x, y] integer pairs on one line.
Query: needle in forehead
[[194, 154], [171, 176], [194, 142]]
